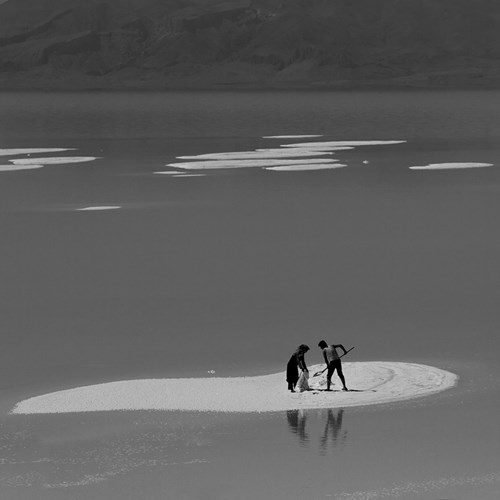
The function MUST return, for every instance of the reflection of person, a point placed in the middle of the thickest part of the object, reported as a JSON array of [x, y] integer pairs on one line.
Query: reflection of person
[[333, 362], [333, 426], [295, 362], [297, 422]]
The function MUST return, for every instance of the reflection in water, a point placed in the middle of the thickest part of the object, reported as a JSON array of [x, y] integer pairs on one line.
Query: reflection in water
[[297, 422], [331, 435], [333, 426]]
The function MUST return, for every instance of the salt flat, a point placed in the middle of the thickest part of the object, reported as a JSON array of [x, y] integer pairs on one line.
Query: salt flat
[[373, 382]]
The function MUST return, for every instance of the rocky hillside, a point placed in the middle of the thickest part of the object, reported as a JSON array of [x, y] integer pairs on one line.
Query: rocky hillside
[[248, 43]]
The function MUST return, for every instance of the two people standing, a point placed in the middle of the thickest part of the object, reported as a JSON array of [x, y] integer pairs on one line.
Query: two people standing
[[332, 360]]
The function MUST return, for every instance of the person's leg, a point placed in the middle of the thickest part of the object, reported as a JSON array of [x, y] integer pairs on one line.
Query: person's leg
[[329, 374], [341, 375], [291, 386]]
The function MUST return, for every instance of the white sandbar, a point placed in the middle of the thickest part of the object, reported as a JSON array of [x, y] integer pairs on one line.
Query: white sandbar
[[11, 168], [449, 166], [101, 207], [29, 151], [220, 164], [370, 383], [336, 144], [53, 160], [290, 136], [259, 154], [305, 167]]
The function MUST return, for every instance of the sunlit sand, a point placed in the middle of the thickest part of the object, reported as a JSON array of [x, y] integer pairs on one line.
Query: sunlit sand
[[335, 144], [11, 168], [29, 151], [290, 136], [260, 153], [103, 207], [305, 167], [370, 383], [215, 164], [53, 160], [450, 166]]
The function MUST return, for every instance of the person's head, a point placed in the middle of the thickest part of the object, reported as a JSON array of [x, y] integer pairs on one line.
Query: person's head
[[303, 348], [322, 344]]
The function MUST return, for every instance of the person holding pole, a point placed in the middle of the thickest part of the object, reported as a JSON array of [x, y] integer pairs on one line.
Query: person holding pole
[[332, 360]]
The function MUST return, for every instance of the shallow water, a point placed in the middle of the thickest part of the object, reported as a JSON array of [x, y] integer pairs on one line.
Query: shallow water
[[231, 270]]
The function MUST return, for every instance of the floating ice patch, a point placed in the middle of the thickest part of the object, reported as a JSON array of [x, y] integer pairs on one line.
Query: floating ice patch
[[53, 160], [10, 168], [335, 144], [374, 382], [258, 154], [215, 164], [305, 167], [102, 207], [450, 166], [290, 136], [29, 151]]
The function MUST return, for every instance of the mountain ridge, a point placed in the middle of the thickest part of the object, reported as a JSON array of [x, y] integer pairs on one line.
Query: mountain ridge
[[156, 44]]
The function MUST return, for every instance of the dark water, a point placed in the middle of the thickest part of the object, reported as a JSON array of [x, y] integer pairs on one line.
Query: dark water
[[232, 270]]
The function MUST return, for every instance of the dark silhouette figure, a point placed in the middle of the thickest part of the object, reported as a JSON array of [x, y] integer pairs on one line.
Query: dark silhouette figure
[[333, 362], [295, 362]]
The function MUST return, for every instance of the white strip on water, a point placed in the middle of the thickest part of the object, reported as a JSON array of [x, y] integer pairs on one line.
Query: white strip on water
[[258, 154], [215, 164], [29, 151], [101, 207], [340, 144], [10, 168], [290, 136], [53, 160], [450, 166], [170, 172], [305, 167]]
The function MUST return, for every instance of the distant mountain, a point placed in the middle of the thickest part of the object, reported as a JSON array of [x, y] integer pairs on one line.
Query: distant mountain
[[248, 43]]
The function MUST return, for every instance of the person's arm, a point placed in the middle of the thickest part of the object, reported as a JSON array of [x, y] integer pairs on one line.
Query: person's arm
[[341, 346], [302, 363], [326, 359]]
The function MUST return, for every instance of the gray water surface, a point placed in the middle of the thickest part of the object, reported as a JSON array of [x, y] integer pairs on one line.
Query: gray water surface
[[230, 271]]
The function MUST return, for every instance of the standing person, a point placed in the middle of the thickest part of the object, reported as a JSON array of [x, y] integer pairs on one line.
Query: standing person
[[333, 362], [295, 362]]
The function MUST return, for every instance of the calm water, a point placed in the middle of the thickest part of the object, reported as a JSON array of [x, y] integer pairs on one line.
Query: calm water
[[230, 271]]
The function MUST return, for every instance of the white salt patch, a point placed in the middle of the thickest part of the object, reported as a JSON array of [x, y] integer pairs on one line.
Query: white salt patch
[[103, 207], [290, 136], [10, 168], [189, 175], [371, 383], [261, 153], [214, 164], [296, 168], [169, 172], [449, 166], [293, 151], [53, 160], [340, 144], [29, 151]]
